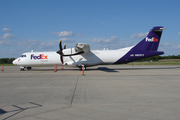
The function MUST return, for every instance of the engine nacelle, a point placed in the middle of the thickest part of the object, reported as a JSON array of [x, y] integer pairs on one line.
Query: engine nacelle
[[69, 52]]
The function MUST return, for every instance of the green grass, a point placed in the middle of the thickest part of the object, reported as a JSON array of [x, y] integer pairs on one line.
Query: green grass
[[155, 63]]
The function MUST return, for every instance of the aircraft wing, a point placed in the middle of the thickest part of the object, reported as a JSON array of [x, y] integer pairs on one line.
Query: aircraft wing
[[81, 47]]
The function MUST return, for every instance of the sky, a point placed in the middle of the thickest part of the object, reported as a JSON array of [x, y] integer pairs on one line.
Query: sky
[[39, 25]]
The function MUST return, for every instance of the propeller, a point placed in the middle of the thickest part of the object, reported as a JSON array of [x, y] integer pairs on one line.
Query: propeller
[[65, 46], [60, 51]]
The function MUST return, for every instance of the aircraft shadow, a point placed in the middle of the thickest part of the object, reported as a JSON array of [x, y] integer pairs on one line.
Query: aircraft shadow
[[106, 69], [18, 110], [2, 111]]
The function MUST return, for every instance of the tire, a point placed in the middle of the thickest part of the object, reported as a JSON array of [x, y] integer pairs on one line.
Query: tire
[[22, 69], [28, 68]]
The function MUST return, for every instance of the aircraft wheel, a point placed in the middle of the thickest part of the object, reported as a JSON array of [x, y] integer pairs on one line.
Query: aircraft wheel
[[22, 69], [28, 68]]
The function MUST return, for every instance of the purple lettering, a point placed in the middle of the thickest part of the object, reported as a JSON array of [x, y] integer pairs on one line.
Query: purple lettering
[[35, 57], [41, 56], [32, 56]]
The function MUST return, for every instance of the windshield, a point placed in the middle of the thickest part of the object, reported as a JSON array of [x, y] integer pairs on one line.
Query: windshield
[[23, 55]]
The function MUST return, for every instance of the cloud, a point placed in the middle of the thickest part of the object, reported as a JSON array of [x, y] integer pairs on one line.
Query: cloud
[[168, 48], [8, 36], [108, 40], [13, 50], [166, 44], [30, 43], [63, 33], [79, 35], [139, 35], [101, 22], [179, 33], [110, 43], [47, 45], [6, 29], [171, 48], [67, 40], [6, 42], [116, 44], [6, 39]]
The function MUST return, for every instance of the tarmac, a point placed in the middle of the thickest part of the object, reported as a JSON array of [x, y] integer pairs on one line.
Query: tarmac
[[113, 92]]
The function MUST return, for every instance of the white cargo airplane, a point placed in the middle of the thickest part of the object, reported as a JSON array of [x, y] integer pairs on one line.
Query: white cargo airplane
[[82, 55]]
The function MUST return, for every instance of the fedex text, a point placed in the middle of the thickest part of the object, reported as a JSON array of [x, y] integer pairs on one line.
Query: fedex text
[[41, 56], [153, 39]]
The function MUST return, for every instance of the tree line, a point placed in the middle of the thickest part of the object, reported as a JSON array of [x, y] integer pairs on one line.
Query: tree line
[[6, 60], [155, 58]]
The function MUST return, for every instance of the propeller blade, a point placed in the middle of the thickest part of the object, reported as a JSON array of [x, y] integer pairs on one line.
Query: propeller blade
[[60, 45], [65, 46], [60, 51], [62, 61]]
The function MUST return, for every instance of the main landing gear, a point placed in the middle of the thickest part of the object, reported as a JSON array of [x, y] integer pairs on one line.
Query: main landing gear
[[28, 68], [81, 67], [22, 68]]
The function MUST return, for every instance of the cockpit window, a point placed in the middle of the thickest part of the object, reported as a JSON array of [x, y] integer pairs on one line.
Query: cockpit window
[[23, 55]]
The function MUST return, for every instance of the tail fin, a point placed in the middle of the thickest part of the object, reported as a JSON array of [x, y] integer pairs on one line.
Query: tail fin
[[145, 48], [151, 41]]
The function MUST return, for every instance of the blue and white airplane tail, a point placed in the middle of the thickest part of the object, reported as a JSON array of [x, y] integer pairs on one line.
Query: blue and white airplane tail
[[145, 48]]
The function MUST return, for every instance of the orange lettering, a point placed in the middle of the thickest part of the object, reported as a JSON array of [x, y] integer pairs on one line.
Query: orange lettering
[[155, 40], [44, 56]]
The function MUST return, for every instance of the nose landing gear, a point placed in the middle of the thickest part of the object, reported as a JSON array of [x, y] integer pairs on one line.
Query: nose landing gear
[[22, 68]]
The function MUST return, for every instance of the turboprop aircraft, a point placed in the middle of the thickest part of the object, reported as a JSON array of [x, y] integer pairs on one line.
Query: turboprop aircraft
[[82, 55]]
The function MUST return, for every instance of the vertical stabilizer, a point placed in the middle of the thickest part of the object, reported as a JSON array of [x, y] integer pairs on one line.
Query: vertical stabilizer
[[145, 48], [151, 41]]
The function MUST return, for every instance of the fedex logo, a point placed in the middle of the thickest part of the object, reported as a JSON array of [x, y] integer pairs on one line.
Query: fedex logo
[[153, 39], [41, 56]]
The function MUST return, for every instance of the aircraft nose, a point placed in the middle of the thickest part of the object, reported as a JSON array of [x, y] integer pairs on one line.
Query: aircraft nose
[[14, 62]]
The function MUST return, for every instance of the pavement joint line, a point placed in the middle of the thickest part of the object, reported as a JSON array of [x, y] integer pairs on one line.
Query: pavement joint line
[[74, 91]]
